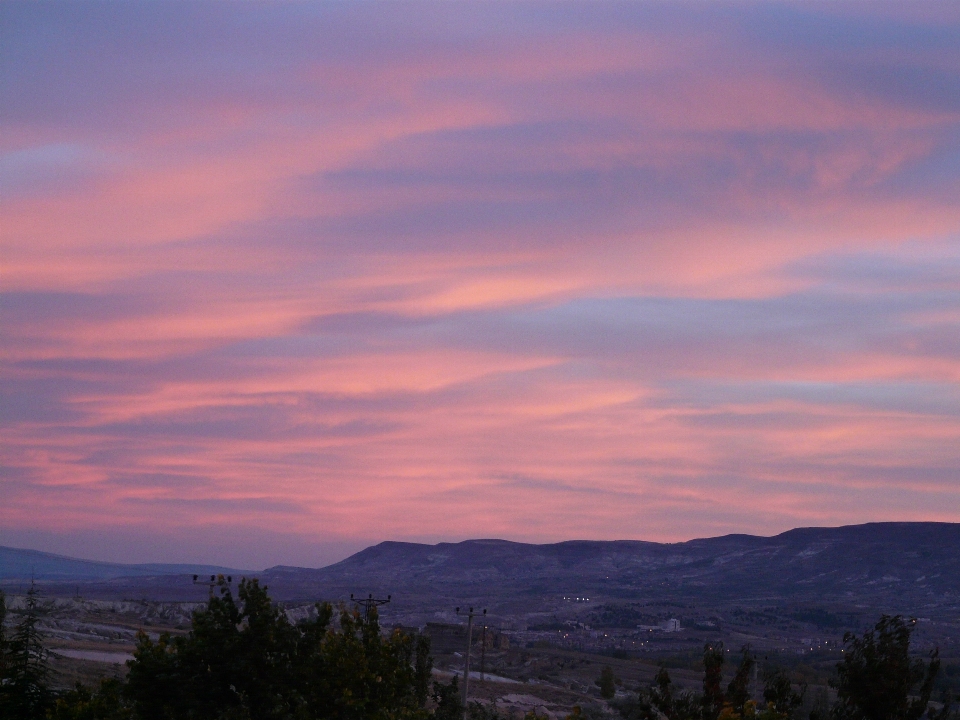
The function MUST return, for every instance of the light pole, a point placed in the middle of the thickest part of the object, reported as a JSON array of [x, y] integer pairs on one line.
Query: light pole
[[466, 659]]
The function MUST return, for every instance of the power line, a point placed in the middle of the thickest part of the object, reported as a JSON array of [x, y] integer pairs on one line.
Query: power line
[[368, 603]]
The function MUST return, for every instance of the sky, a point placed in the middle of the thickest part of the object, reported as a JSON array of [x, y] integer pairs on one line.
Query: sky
[[283, 280]]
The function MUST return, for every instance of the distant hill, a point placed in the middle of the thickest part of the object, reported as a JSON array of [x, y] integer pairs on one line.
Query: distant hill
[[23, 565], [914, 565], [921, 560]]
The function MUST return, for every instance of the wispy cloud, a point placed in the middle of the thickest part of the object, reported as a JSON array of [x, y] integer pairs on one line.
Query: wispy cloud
[[529, 270]]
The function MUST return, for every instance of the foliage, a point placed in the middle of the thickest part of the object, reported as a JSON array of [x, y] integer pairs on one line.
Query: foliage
[[618, 616], [105, 703], [244, 660], [824, 618], [778, 692], [248, 660], [476, 711], [738, 691], [447, 698], [735, 703], [3, 640], [24, 685], [821, 705], [674, 706], [607, 682], [661, 702], [878, 680], [712, 699]]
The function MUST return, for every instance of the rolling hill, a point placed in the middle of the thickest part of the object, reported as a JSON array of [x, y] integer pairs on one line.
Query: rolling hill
[[877, 563], [916, 559], [23, 565]]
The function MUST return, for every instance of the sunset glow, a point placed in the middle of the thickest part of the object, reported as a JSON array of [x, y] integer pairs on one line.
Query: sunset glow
[[280, 281]]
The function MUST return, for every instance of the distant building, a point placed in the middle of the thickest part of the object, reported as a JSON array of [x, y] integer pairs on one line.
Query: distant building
[[446, 637], [671, 625]]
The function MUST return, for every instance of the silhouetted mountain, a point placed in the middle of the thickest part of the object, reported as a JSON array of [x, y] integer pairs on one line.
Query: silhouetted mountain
[[24, 565], [915, 564], [920, 559]]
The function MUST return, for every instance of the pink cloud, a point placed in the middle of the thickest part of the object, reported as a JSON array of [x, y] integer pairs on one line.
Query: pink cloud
[[657, 277]]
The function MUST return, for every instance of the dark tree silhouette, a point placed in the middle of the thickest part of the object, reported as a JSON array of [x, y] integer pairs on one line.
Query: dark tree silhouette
[[3, 638], [738, 691], [447, 698], [878, 680], [661, 702], [247, 659], [104, 703], [24, 686], [712, 700], [778, 691], [607, 682]]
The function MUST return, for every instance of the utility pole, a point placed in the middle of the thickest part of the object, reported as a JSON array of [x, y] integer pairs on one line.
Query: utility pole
[[212, 582], [483, 654], [466, 659], [369, 602]]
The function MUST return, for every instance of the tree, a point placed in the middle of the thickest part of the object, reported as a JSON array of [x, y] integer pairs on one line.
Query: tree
[[712, 700], [661, 696], [778, 692], [607, 682], [675, 706], [738, 691], [80, 703], [478, 711], [447, 698], [247, 659], [355, 673], [25, 692], [662, 702], [422, 670], [3, 640], [878, 680]]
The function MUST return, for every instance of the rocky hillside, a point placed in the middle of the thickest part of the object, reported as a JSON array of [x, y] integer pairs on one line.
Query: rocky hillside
[[918, 563], [919, 559]]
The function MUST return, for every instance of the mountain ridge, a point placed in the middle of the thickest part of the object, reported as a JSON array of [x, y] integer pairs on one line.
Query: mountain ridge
[[919, 560], [23, 564]]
